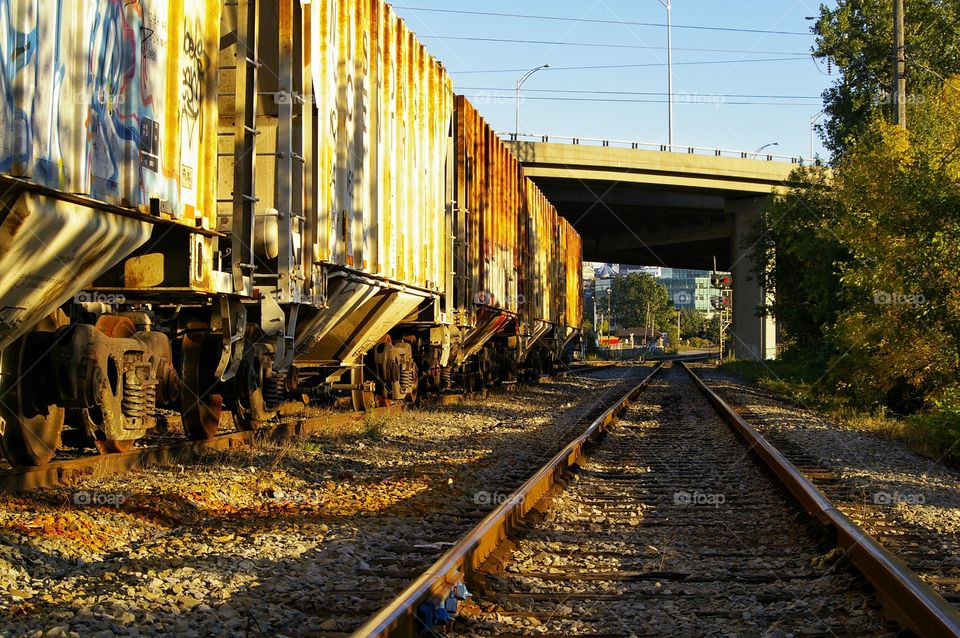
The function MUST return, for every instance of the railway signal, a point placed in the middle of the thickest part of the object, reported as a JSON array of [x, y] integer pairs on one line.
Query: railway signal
[[720, 302], [721, 280]]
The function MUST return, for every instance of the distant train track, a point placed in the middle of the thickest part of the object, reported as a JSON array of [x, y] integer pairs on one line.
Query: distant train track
[[625, 482]]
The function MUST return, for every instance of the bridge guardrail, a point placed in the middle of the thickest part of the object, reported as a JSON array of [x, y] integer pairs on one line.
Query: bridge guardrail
[[666, 148]]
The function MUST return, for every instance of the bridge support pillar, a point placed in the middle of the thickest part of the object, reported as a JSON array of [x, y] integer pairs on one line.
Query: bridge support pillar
[[753, 337]]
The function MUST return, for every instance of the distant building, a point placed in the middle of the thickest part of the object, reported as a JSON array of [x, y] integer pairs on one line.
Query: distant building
[[605, 271], [689, 289]]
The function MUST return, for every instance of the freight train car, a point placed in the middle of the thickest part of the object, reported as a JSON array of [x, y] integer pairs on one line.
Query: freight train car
[[212, 207]]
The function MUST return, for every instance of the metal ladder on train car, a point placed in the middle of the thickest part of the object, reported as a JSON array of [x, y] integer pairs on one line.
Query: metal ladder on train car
[[245, 134], [288, 153]]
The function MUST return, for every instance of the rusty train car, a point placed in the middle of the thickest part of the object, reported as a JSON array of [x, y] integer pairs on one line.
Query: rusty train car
[[214, 206]]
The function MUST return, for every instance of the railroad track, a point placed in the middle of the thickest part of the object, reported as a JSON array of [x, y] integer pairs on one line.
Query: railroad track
[[668, 528], [935, 557]]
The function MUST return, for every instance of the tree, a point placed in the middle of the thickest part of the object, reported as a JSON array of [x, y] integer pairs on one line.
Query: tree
[[798, 256], [693, 323], [899, 332], [633, 295], [864, 261], [856, 39]]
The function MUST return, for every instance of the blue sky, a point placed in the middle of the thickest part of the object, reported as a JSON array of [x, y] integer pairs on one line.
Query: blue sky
[[708, 103]]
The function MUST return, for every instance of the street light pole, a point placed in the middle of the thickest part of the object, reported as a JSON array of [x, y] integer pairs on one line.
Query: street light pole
[[523, 78], [669, 8], [757, 152]]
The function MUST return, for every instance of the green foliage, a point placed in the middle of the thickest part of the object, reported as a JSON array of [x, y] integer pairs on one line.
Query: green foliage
[[373, 426], [865, 266], [943, 423], [900, 192], [633, 295], [693, 323], [673, 339], [856, 38], [711, 329], [797, 256]]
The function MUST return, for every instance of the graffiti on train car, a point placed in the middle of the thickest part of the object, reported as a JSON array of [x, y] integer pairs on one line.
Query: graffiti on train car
[[107, 127], [193, 70]]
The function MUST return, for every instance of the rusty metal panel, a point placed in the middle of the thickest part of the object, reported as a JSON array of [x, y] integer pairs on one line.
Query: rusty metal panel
[[324, 56], [574, 264], [487, 190], [50, 249], [384, 107], [542, 269], [114, 100]]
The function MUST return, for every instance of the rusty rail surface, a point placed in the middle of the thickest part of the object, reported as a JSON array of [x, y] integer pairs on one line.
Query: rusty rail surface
[[908, 599], [68, 472], [399, 617]]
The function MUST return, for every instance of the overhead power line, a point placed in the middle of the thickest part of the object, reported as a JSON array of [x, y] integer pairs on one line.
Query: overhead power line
[[604, 45], [653, 93], [524, 16], [635, 66], [510, 96]]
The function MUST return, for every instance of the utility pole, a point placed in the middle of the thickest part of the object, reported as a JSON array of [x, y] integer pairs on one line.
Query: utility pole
[[668, 6], [899, 66], [678, 330], [648, 325]]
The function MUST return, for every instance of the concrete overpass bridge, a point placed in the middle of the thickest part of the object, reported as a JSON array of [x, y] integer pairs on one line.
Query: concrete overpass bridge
[[679, 209]]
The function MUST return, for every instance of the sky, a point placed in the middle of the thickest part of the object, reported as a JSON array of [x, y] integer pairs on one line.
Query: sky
[[760, 88]]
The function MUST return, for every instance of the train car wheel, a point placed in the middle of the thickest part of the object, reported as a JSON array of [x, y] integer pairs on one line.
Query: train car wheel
[[250, 411], [31, 429], [362, 399], [201, 404]]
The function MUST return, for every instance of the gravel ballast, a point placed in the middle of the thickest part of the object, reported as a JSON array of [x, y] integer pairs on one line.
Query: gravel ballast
[[303, 538]]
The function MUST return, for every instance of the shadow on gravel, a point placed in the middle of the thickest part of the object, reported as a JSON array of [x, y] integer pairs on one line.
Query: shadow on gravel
[[439, 513]]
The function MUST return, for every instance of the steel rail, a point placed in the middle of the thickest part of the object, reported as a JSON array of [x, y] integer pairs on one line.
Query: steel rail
[[399, 617], [908, 599], [68, 472]]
